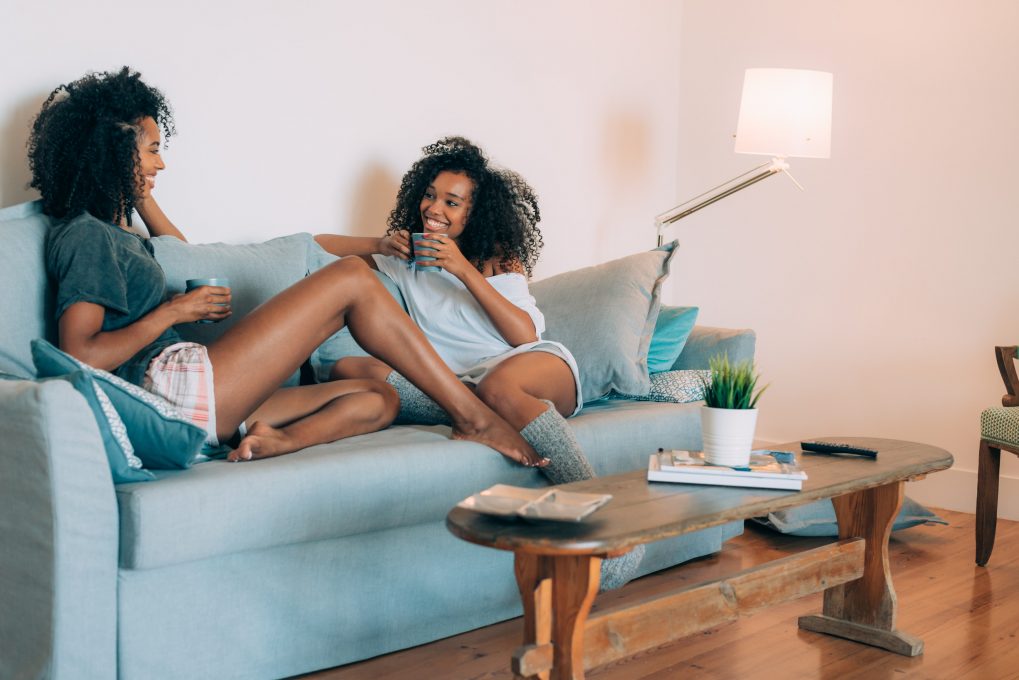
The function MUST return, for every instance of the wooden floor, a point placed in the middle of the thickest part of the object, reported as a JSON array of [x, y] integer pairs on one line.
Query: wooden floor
[[968, 617]]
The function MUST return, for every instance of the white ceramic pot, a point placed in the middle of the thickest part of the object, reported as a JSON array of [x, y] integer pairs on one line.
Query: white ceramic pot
[[728, 435]]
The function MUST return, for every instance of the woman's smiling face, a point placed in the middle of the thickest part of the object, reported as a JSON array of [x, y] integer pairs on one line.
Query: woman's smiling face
[[446, 203], [149, 160]]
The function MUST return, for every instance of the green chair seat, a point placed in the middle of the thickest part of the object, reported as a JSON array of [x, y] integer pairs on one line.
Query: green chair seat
[[1000, 425]]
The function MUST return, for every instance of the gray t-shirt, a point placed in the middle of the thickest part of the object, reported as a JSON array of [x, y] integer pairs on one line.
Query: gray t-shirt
[[89, 260]]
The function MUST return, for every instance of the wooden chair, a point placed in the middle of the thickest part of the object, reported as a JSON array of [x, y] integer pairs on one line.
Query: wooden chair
[[999, 430]]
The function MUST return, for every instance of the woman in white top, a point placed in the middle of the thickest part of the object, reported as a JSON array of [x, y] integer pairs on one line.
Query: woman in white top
[[473, 303], [475, 308]]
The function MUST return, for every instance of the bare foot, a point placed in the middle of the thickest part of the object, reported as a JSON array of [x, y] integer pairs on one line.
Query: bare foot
[[495, 432], [263, 441]]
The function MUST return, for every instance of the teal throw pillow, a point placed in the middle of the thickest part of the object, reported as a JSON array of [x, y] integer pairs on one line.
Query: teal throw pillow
[[162, 438], [606, 316], [818, 518], [124, 465], [342, 343], [257, 272], [671, 331], [675, 387]]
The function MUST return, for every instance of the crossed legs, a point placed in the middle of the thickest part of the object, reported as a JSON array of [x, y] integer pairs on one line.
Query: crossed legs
[[518, 389], [253, 358]]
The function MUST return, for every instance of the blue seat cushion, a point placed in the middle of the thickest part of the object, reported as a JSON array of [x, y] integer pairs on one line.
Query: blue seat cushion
[[400, 476]]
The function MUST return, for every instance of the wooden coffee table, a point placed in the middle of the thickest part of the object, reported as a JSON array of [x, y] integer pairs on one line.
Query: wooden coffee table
[[557, 565]]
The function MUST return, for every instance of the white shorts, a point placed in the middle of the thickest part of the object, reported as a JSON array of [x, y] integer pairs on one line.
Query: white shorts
[[475, 374]]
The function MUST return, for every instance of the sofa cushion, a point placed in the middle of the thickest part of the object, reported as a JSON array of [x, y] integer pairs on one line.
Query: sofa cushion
[[28, 313], [257, 272], [401, 476], [606, 316], [162, 438]]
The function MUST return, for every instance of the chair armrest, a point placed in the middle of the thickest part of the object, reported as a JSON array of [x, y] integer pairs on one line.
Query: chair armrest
[[58, 529], [1006, 366], [705, 342]]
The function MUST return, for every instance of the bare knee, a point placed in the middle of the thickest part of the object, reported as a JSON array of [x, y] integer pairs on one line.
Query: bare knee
[[353, 276], [501, 396], [359, 367], [386, 403]]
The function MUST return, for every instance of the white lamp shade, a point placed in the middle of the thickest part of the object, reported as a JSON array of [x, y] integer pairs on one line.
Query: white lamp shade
[[785, 112]]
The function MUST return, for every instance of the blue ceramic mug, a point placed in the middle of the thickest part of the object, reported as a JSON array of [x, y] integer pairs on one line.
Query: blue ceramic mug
[[416, 241], [191, 284]]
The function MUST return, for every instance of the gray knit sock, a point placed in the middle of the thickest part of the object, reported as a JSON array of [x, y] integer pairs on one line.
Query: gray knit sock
[[416, 407], [619, 571], [552, 438]]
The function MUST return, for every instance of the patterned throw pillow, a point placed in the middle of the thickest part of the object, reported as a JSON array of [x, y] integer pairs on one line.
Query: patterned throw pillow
[[676, 387], [124, 465], [162, 438]]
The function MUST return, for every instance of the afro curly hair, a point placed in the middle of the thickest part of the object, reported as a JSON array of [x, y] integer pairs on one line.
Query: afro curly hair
[[502, 221], [83, 150]]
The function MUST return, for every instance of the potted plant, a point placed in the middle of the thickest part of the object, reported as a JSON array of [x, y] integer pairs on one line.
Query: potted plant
[[729, 414]]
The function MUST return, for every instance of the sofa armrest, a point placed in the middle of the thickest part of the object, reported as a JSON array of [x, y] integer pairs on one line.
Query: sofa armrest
[[58, 529], [705, 342]]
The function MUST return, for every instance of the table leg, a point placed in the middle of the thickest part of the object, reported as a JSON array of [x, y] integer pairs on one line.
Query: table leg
[[534, 579], [574, 587], [864, 610]]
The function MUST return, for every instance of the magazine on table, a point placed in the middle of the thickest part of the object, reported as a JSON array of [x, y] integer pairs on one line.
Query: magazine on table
[[766, 470]]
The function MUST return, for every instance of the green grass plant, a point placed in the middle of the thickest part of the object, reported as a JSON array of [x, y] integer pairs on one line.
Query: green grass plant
[[731, 385]]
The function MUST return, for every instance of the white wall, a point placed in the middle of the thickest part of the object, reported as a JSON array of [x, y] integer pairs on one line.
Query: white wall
[[879, 293], [303, 116]]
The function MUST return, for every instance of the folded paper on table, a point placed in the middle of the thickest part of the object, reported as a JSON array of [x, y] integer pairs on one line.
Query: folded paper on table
[[504, 500]]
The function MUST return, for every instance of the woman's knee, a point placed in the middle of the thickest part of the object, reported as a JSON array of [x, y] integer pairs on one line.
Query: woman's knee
[[388, 402], [352, 273], [498, 394]]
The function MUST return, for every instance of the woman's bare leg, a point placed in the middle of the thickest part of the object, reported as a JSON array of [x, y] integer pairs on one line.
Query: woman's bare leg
[[516, 387], [296, 417], [254, 357], [359, 367]]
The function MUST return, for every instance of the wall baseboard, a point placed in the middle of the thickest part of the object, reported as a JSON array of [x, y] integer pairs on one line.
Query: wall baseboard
[[957, 490]]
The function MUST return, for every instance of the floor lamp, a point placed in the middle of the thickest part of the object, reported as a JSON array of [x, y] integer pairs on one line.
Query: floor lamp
[[783, 113]]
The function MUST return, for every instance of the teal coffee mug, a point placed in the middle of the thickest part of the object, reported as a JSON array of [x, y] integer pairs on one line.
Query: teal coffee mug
[[417, 241], [191, 284]]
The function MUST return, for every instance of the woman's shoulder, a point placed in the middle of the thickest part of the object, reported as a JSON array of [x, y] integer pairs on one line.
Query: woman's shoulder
[[81, 234], [80, 227]]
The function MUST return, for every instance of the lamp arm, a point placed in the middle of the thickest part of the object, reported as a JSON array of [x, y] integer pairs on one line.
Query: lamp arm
[[719, 192]]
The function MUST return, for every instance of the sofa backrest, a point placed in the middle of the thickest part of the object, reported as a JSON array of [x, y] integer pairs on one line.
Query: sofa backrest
[[28, 298]]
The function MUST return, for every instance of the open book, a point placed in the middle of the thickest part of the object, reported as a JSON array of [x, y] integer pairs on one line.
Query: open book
[[767, 470]]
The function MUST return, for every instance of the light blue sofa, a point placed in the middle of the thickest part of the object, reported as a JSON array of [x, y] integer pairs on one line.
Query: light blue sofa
[[266, 569]]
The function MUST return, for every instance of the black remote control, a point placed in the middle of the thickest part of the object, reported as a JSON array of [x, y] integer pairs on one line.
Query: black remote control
[[838, 447]]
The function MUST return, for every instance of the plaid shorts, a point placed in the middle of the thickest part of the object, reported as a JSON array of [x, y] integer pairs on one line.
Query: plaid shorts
[[182, 374]]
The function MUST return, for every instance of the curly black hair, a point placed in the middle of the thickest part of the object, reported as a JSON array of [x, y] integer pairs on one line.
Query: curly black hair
[[83, 150], [503, 217]]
